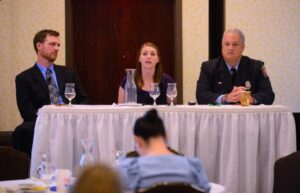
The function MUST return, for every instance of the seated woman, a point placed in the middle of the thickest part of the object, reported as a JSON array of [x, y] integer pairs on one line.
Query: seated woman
[[98, 179], [157, 163], [148, 70]]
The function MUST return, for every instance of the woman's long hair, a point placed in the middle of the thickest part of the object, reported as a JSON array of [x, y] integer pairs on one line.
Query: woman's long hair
[[158, 68]]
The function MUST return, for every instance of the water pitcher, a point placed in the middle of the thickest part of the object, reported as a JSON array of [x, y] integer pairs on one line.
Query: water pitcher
[[130, 87]]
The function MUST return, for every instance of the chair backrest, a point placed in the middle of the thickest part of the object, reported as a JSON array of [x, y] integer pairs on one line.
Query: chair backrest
[[166, 187], [287, 174], [5, 138], [13, 164], [136, 154]]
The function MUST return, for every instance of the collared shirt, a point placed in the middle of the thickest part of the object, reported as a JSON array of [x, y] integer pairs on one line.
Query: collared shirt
[[236, 67], [43, 70]]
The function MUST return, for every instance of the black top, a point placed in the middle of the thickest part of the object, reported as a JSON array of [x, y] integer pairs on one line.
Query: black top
[[143, 96]]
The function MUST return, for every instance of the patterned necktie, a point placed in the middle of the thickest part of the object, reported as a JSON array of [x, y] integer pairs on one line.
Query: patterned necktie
[[233, 75], [53, 90]]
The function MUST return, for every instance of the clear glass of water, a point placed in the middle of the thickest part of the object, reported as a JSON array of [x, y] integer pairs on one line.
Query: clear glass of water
[[46, 170], [87, 157], [172, 92], [118, 155], [70, 92], [154, 91]]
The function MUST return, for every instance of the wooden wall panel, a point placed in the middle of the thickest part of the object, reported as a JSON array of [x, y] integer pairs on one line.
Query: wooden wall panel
[[106, 35]]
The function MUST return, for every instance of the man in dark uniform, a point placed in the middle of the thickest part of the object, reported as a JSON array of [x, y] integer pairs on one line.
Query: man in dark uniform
[[222, 80], [40, 85]]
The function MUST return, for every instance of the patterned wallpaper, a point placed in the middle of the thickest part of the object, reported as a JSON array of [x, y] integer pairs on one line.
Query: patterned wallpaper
[[19, 21], [195, 44], [272, 30]]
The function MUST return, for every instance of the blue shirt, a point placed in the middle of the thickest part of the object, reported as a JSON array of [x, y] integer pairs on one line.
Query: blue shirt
[[146, 171], [43, 70]]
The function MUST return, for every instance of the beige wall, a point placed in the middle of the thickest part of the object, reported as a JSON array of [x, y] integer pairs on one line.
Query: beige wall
[[19, 21], [272, 30], [194, 44]]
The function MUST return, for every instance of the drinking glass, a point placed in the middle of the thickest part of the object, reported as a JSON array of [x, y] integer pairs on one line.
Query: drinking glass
[[171, 92], [46, 170], [70, 92], [154, 91], [118, 155], [87, 157]]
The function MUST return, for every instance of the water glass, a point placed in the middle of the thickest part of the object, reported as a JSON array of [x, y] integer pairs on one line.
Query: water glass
[[172, 92], [87, 157], [46, 170], [70, 92], [118, 155], [154, 91]]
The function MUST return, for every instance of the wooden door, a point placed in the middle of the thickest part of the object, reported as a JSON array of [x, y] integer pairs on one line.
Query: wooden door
[[103, 37]]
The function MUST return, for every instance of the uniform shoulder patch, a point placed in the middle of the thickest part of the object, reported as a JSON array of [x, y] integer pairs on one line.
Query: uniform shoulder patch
[[264, 71]]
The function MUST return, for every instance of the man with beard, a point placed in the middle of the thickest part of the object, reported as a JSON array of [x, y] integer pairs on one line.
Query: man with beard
[[40, 85], [224, 79]]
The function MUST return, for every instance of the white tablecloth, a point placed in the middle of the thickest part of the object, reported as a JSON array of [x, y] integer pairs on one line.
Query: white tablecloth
[[13, 185], [238, 145]]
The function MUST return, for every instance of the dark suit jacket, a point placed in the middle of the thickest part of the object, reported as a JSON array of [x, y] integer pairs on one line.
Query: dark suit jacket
[[215, 79], [32, 90]]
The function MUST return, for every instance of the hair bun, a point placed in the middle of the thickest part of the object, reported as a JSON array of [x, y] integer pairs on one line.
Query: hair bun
[[150, 125], [151, 115]]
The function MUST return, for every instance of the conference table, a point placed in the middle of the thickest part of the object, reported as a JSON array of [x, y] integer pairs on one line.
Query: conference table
[[238, 145]]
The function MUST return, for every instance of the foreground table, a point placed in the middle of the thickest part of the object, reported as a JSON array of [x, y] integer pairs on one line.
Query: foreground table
[[13, 185], [238, 145]]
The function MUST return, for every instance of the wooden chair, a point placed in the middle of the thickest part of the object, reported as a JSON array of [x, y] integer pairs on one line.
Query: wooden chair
[[287, 174], [13, 164], [166, 187], [5, 138]]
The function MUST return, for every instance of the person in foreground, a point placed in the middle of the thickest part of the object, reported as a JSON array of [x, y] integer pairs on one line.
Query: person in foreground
[[157, 163], [222, 80], [98, 179], [42, 84], [148, 70]]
